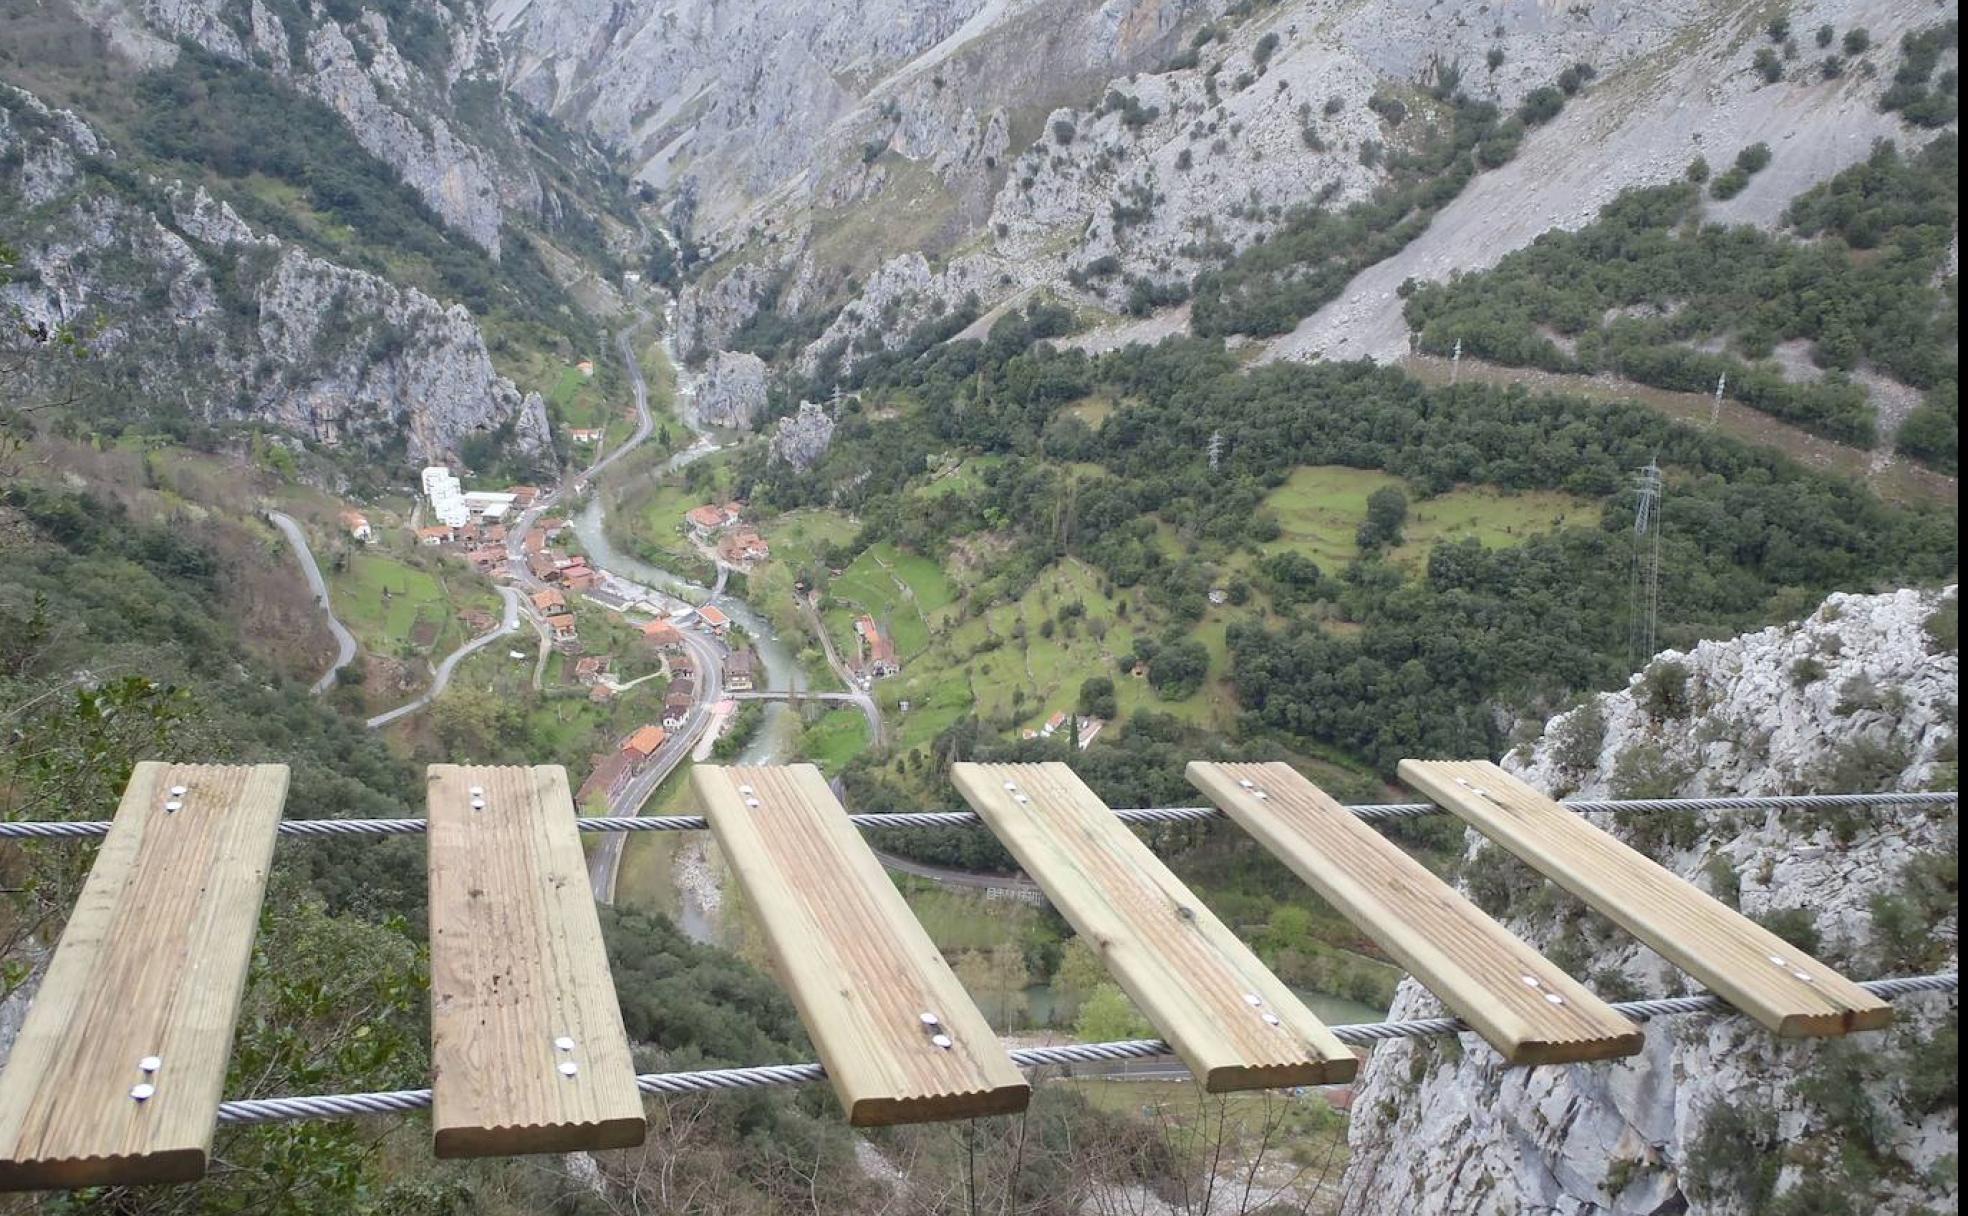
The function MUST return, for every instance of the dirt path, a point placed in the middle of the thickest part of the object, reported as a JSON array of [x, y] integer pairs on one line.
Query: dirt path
[[1896, 480]]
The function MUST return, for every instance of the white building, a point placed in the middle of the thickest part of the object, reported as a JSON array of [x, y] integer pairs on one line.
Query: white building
[[447, 497], [488, 506]]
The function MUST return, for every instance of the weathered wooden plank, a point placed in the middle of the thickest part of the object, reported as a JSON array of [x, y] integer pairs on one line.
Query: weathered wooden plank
[[1230, 1020], [866, 978], [1528, 1009], [117, 1072], [528, 1053], [1745, 964]]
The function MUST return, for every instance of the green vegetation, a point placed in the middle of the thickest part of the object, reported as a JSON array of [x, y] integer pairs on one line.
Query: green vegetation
[[410, 603], [1919, 102], [1652, 294]]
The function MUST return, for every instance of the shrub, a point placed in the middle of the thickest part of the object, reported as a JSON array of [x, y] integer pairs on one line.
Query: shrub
[[1664, 689], [1768, 65], [1579, 736], [1063, 132], [1825, 35], [1778, 29], [1266, 47], [1806, 672], [1495, 58], [1698, 170], [1795, 925], [1541, 105], [1857, 41]]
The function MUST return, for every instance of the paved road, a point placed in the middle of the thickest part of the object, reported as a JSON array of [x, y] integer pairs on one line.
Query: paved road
[[788, 694], [344, 640], [863, 700], [605, 861], [449, 663], [1025, 887]]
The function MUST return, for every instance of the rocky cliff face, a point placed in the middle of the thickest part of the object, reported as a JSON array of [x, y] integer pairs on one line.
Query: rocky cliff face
[[801, 439], [417, 89], [1717, 1116], [732, 391], [202, 310]]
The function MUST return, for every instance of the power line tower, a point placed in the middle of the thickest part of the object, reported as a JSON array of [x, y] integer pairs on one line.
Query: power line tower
[[1715, 410], [1215, 449], [1455, 363], [1643, 582]]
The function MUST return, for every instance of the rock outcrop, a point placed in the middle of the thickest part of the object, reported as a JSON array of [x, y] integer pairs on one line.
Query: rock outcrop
[[1716, 1115], [801, 439], [732, 390], [207, 314]]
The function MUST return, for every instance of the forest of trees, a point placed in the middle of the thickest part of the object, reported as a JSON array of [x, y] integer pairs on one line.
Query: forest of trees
[[1748, 536], [1653, 294]]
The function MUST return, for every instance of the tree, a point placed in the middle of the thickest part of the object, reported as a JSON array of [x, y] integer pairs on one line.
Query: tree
[[1107, 1015], [1387, 511], [1097, 699]]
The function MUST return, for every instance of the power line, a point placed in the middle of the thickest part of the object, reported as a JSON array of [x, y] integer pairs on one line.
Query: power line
[[345, 1106], [1370, 812]]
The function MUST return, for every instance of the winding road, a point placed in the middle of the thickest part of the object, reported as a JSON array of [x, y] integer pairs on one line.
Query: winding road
[[449, 664], [344, 640]]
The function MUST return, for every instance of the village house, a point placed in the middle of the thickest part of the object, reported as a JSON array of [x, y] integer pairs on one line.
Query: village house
[[608, 777], [590, 669], [739, 667], [598, 692], [684, 686], [663, 635], [676, 709], [434, 536], [549, 601], [552, 526], [682, 665], [487, 558], [523, 496], [357, 526], [715, 621], [704, 520], [643, 744], [542, 567], [535, 541], [561, 625], [584, 434], [1052, 725], [579, 576], [742, 547], [877, 652]]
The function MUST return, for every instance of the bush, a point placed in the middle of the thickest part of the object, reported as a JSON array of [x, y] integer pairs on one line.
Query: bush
[[1768, 65], [1495, 58], [1063, 132], [1857, 41], [1664, 690], [1825, 35], [1698, 170]]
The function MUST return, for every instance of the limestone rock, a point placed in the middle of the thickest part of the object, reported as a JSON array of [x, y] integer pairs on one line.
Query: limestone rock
[[801, 439], [732, 391], [1860, 691]]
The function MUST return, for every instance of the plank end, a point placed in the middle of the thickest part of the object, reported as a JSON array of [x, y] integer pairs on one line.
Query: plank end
[[884, 1111], [123, 1169], [1230, 1078], [1876, 1015], [1530, 1052], [622, 1131]]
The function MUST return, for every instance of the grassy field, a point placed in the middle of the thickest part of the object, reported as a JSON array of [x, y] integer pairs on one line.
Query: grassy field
[[1320, 509], [834, 738], [397, 603]]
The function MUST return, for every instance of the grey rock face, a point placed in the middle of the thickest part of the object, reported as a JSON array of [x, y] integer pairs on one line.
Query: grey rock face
[[801, 439], [398, 110], [335, 355], [1783, 710], [732, 391]]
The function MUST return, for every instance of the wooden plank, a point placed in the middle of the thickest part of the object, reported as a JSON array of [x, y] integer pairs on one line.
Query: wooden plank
[[528, 1054], [152, 963], [1528, 1009], [1745, 964], [857, 963], [1230, 1020]]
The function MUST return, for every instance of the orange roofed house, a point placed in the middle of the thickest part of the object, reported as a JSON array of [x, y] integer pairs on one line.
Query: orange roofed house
[[643, 744], [704, 520], [719, 623], [663, 635], [610, 774], [878, 653]]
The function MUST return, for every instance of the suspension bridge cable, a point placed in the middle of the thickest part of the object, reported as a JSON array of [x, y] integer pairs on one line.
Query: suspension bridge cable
[[400, 1101], [1370, 812]]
